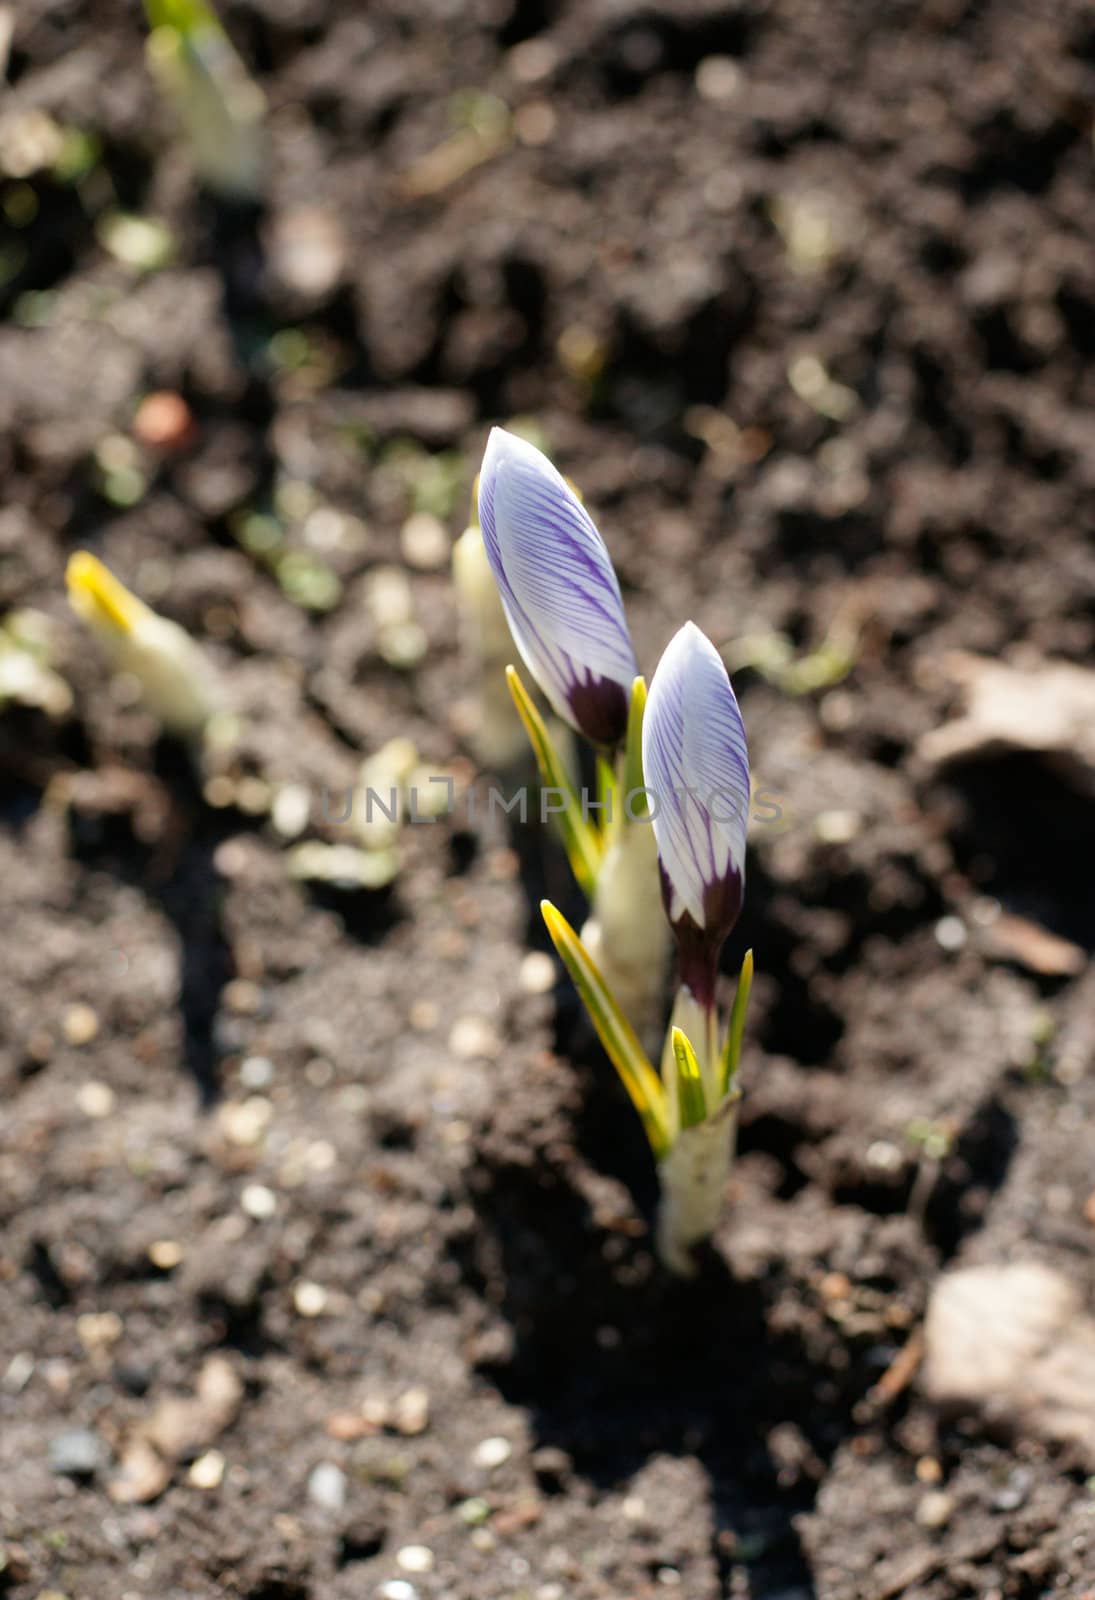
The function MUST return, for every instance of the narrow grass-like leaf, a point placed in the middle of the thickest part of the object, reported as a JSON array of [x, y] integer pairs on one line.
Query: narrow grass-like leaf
[[580, 841], [690, 1096], [633, 761], [607, 793], [613, 1029], [731, 1055]]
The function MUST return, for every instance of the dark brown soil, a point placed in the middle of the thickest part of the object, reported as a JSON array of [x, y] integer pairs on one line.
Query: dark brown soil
[[903, 192]]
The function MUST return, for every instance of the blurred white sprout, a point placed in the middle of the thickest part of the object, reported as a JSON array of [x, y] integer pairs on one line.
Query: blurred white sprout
[[218, 103], [176, 680]]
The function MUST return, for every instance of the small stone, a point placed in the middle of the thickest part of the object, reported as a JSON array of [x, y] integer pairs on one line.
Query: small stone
[[164, 421], [403, 645], [388, 597], [207, 1472], [98, 1330], [884, 1156], [165, 1254], [242, 996], [244, 1122], [837, 827], [491, 1453], [349, 1425], [474, 1512], [95, 1100], [291, 810], [424, 541], [835, 1286], [415, 1558], [719, 79], [472, 1036], [259, 1202], [536, 974], [327, 1486], [307, 249], [411, 1412], [533, 60], [1015, 1491], [80, 1025], [396, 1589], [19, 1371], [183, 1427], [950, 933], [535, 123], [143, 1477], [75, 1453], [935, 1509], [310, 1299], [257, 1072]]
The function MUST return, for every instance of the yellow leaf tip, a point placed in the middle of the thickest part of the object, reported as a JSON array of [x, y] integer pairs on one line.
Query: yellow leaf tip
[[98, 596]]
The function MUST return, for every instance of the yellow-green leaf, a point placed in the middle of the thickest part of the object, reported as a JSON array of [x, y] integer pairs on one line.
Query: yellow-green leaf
[[633, 760], [690, 1096], [580, 840], [613, 1029], [731, 1055]]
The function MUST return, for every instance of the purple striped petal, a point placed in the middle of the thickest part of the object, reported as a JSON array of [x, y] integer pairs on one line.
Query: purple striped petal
[[696, 770], [559, 590]]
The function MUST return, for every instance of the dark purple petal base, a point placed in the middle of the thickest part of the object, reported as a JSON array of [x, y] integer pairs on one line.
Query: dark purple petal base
[[698, 949], [599, 707]]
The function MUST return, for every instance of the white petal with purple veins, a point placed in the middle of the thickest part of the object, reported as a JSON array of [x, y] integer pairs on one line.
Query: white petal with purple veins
[[560, 592], [696, 768]]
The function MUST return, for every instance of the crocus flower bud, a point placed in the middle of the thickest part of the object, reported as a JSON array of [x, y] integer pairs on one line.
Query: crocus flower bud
[[559, 590], [696, 770]]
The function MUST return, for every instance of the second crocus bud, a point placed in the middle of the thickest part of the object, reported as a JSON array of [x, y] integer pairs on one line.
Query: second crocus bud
[[559, 590], [696, 770]]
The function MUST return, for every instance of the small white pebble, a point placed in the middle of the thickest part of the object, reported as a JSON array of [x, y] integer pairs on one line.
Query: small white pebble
[[327, 1486], [935, 1509], [837, 827], [532, 60], [424, 541], [19, 1371], [291, 810], [165, 1254], [396, 1589], [259, 1202], [207, 1472], [492, 1452], [80, 1025], [411, 1412], [950, 933], [472, 1036], [415, 1558], [884, 1156], [536, 974], [96, 1100], [718, 78], [257, 1072], [96, 1330], [310, 1299], [320, 1156], [244, 1122]]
